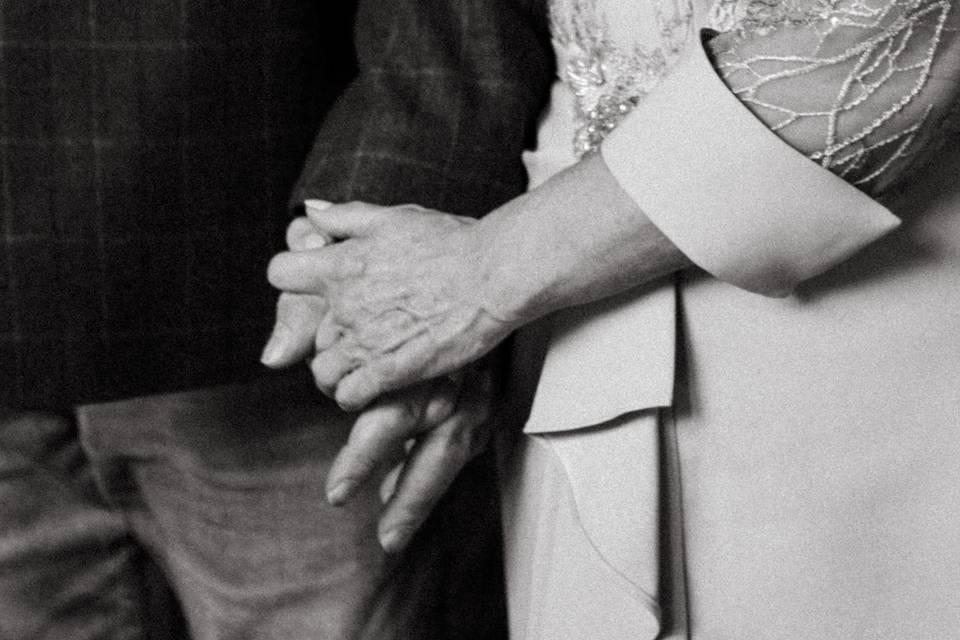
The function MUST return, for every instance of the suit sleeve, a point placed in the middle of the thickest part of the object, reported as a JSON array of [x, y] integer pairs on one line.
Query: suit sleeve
[[445, 97]]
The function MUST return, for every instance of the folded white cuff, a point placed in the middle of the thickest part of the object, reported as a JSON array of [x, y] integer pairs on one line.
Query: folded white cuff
[[729, 193]]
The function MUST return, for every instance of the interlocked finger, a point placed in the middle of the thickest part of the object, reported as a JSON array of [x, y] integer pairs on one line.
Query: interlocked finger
[[303, 235], [379, 435], [388, 372], [432, 466], [329, 367], [328, 333], [311, 270], [389, 483]]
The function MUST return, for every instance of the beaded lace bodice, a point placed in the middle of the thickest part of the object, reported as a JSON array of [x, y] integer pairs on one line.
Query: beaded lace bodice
[[876, 58], [610, 70]]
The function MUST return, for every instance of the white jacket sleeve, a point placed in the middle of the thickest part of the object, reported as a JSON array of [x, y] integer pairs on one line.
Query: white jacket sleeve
[[737, 200]]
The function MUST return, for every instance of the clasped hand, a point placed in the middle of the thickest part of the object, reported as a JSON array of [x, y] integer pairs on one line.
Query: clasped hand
[[404, 292], [388, 300]]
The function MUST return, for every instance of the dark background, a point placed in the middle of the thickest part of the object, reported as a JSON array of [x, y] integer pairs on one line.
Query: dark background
[[148, 150]]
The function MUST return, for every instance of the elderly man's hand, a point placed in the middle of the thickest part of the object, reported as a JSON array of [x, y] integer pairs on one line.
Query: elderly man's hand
[[432, 430], [406, 298]]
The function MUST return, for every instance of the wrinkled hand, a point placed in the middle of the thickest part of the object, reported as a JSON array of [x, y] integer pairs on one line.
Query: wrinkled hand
[[433, 430], [405, 294], [428, 432]]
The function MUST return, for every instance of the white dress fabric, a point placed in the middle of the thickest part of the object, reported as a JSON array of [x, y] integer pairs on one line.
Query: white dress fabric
[[704, 462]]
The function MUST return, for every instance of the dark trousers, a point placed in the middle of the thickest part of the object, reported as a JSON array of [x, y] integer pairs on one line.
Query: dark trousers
[[202, 515]]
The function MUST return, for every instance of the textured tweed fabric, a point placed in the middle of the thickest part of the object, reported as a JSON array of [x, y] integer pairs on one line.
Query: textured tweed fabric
[[147, 150], [446, 98]]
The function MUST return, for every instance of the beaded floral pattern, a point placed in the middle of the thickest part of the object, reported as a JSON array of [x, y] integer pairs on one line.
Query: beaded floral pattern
[[608, 78], [873, 59], [862, 119], [763, 16]]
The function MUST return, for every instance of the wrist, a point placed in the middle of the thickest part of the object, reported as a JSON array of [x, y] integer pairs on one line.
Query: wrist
[[512, 282], [575, 239]]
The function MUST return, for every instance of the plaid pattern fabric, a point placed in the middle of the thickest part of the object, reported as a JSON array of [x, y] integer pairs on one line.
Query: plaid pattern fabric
[[447, 95], [147, 152], [446, 98]]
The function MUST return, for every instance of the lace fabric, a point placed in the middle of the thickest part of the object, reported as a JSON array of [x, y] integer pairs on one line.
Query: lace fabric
[[870, 62], [609, 78]]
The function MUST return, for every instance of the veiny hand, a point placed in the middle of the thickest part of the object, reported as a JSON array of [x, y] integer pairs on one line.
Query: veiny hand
[[406, 296], [434, 429], [429, 432]]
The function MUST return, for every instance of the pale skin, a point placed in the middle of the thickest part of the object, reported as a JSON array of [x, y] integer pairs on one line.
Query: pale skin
[[447, 418], [405, 296], [418, 294]]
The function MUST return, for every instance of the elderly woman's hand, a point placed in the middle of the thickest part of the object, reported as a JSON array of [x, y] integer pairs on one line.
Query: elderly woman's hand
[[406, 298], [428, 431]]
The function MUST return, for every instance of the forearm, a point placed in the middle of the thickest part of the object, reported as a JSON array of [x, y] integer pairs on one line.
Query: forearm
[[863, 101], [575, 239]]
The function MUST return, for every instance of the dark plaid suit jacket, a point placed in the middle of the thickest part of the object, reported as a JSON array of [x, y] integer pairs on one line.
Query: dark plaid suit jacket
[[446, 96], [147, 151]]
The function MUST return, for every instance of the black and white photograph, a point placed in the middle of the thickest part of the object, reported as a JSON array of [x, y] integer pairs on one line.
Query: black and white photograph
[[480, 319]]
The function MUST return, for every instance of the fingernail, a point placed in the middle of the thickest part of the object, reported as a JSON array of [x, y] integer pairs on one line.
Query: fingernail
[[340, 492], [317, 205], [275, 346], [395, 539]]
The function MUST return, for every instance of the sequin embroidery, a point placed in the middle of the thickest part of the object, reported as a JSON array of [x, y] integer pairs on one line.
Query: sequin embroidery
[[883, 70], [872, 58], [609, 79]]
